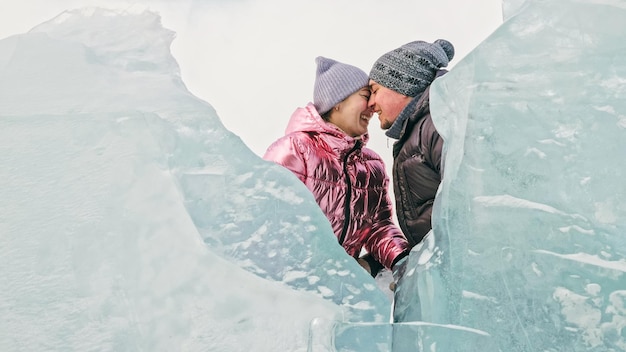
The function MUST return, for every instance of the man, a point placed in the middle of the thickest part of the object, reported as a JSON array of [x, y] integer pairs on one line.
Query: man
[[400, 81]]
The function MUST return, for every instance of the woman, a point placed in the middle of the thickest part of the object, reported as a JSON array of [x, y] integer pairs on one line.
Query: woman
[[324, 146]]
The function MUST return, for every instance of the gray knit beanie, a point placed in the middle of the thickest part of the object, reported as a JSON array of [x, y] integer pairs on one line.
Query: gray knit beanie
[[412, 67], [334, 82]]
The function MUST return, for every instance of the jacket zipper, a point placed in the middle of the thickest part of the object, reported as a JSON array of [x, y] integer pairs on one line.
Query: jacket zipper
[[346, 212]]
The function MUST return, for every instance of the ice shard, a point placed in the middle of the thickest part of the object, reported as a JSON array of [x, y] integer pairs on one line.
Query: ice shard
[[529, 240], [131, 219]]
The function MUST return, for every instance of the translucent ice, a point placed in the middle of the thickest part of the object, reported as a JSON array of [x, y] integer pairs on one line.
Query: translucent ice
[[529, 241], [131, 219]]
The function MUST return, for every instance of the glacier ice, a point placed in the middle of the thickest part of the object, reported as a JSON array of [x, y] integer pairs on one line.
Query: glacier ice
[[529, 240], [131, 219]]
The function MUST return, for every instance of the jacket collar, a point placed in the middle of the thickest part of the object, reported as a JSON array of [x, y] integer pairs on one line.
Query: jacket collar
[[307, 119], [398, 126]]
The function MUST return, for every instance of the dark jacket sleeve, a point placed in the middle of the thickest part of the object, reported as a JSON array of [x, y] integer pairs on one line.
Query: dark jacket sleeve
[[434, 143]]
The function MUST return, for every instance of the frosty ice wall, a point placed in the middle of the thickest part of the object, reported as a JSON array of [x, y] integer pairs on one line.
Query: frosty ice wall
[[130, 219], [127, 211], [529, 237]]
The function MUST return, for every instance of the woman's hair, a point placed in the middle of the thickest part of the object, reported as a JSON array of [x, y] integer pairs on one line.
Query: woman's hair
[[326, 116]]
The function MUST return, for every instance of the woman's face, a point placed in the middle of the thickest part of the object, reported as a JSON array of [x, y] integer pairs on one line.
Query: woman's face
[[353, 115]]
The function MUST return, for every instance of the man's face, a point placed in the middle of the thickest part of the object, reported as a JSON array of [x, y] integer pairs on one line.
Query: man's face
[[386, 103]]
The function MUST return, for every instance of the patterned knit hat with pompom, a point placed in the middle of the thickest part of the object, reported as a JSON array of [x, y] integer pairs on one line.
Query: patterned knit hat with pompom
[[412, 67]]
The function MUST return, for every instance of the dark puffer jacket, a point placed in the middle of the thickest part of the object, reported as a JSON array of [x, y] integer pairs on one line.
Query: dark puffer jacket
[[416, 169], [349, 183]]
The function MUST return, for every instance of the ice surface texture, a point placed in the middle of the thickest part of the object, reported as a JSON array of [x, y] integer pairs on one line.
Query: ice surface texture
[[529, 238], [131, 219]]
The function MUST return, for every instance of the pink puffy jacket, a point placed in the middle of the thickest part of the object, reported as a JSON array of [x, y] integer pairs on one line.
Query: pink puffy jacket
[[349, 183]]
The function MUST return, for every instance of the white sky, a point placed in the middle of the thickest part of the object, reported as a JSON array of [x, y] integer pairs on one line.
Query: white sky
[[253, 60]]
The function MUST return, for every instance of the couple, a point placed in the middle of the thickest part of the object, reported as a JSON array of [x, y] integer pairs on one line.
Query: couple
[[324, 146]]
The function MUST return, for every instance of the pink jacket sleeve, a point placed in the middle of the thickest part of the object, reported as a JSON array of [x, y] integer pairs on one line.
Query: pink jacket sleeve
[[386, 241], [287, 152]]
